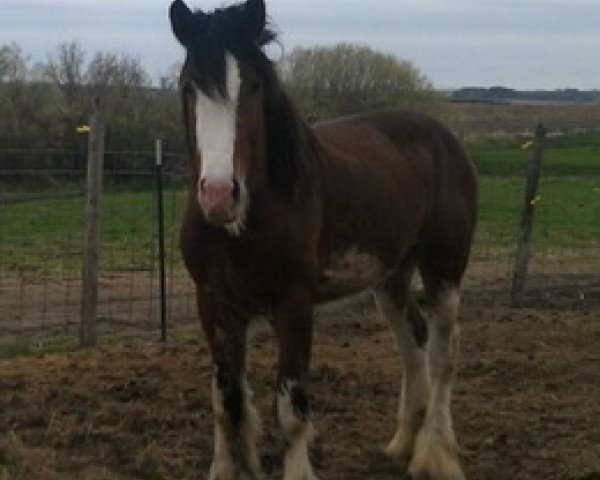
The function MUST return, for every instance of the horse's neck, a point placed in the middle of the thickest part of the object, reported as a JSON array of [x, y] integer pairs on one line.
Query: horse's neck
[[291, 146]]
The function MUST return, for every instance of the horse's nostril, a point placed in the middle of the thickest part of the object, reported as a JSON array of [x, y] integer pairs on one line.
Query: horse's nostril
[[202, 184], [235, 193]]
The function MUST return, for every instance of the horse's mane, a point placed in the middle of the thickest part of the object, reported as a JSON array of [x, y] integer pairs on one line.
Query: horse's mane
[[292, 152]]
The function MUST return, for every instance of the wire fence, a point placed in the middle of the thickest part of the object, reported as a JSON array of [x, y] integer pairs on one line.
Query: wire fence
[[42, 218], [41, 225], [564, 262]]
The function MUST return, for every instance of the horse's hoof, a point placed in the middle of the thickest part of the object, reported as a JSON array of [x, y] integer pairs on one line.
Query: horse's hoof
[[238, 476], [234, 474], [450, 470], [435, 459], [400, 447]]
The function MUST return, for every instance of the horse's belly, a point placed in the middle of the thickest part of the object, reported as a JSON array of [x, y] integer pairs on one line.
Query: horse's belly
[[348, 273]]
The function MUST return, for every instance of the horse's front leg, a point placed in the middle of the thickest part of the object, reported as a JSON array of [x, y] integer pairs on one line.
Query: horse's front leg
[[236, 421], [293, 326]]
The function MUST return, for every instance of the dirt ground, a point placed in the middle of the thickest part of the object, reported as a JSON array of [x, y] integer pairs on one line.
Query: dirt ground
[[526, 402]]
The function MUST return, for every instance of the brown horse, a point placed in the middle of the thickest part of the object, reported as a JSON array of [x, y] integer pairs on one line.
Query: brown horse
[[280, 216]]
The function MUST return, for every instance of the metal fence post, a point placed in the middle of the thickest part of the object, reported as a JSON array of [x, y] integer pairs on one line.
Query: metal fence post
[[529, 201], [161, 241], [89, 283]]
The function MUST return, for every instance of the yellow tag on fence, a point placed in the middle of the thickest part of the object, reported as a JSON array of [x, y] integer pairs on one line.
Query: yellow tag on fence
[[527, 145], [83, 129]]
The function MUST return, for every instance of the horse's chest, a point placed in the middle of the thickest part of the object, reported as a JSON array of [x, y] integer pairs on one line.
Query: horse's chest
[[348, 272]]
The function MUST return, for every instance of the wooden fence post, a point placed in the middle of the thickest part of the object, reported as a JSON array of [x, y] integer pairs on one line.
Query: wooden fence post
[[89, 284], [529, 201]]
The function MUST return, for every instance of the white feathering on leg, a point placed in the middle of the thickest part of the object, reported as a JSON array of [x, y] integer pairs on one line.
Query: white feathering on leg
[[297, 432]]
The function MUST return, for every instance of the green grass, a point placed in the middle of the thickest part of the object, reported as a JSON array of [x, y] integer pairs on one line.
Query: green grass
[[566, 215], [569, 208], [60, 344], [570, 155], [42, 230], [45, 233], [52, 345], [13, 350]]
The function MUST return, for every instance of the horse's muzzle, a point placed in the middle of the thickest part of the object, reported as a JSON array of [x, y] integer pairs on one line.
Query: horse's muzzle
[[218, 200]]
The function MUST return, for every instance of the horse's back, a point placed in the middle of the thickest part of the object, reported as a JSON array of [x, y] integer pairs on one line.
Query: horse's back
[[394, 181], [407, 139]]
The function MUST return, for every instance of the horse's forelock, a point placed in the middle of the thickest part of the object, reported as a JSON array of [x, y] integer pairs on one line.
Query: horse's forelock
[[222, 33]]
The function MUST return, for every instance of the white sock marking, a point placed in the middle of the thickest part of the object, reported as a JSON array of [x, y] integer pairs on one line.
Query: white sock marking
[[297, 433], [435, 453], [414, 389], [251, 429], [222, 463]]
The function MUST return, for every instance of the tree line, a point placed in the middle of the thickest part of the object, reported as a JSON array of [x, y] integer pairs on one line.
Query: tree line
[[501, 94], [41, 104]]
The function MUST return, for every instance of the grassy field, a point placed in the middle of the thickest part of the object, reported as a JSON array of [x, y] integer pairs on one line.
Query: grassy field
[[577, 155], [44, 233], [566, 215], [46, 229]]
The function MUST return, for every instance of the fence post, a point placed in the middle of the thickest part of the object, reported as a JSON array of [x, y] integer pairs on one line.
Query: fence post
[[529, 201], [89, 284], [161, 242]]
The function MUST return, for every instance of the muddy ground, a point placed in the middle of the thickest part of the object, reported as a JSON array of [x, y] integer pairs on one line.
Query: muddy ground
[[526, 401]]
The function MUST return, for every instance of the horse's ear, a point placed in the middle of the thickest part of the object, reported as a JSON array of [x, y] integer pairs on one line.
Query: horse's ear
[[182, 22], [256, 17]]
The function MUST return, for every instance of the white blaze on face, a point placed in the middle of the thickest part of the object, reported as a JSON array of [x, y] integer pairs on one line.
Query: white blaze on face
[[215, 126]]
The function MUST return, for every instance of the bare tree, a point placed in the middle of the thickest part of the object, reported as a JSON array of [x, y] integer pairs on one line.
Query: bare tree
[[13, 65], [108, 69], [22, 103], [41, 105], [66, 68]]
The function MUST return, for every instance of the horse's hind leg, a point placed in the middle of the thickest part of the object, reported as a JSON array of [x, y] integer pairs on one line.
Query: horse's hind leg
[[396, 305], [436, 451]]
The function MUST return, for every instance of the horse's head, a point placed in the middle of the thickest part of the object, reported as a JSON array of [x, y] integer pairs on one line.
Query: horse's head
[[222, 83]]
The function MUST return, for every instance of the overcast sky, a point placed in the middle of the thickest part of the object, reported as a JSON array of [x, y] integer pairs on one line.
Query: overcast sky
[[517, 43]]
